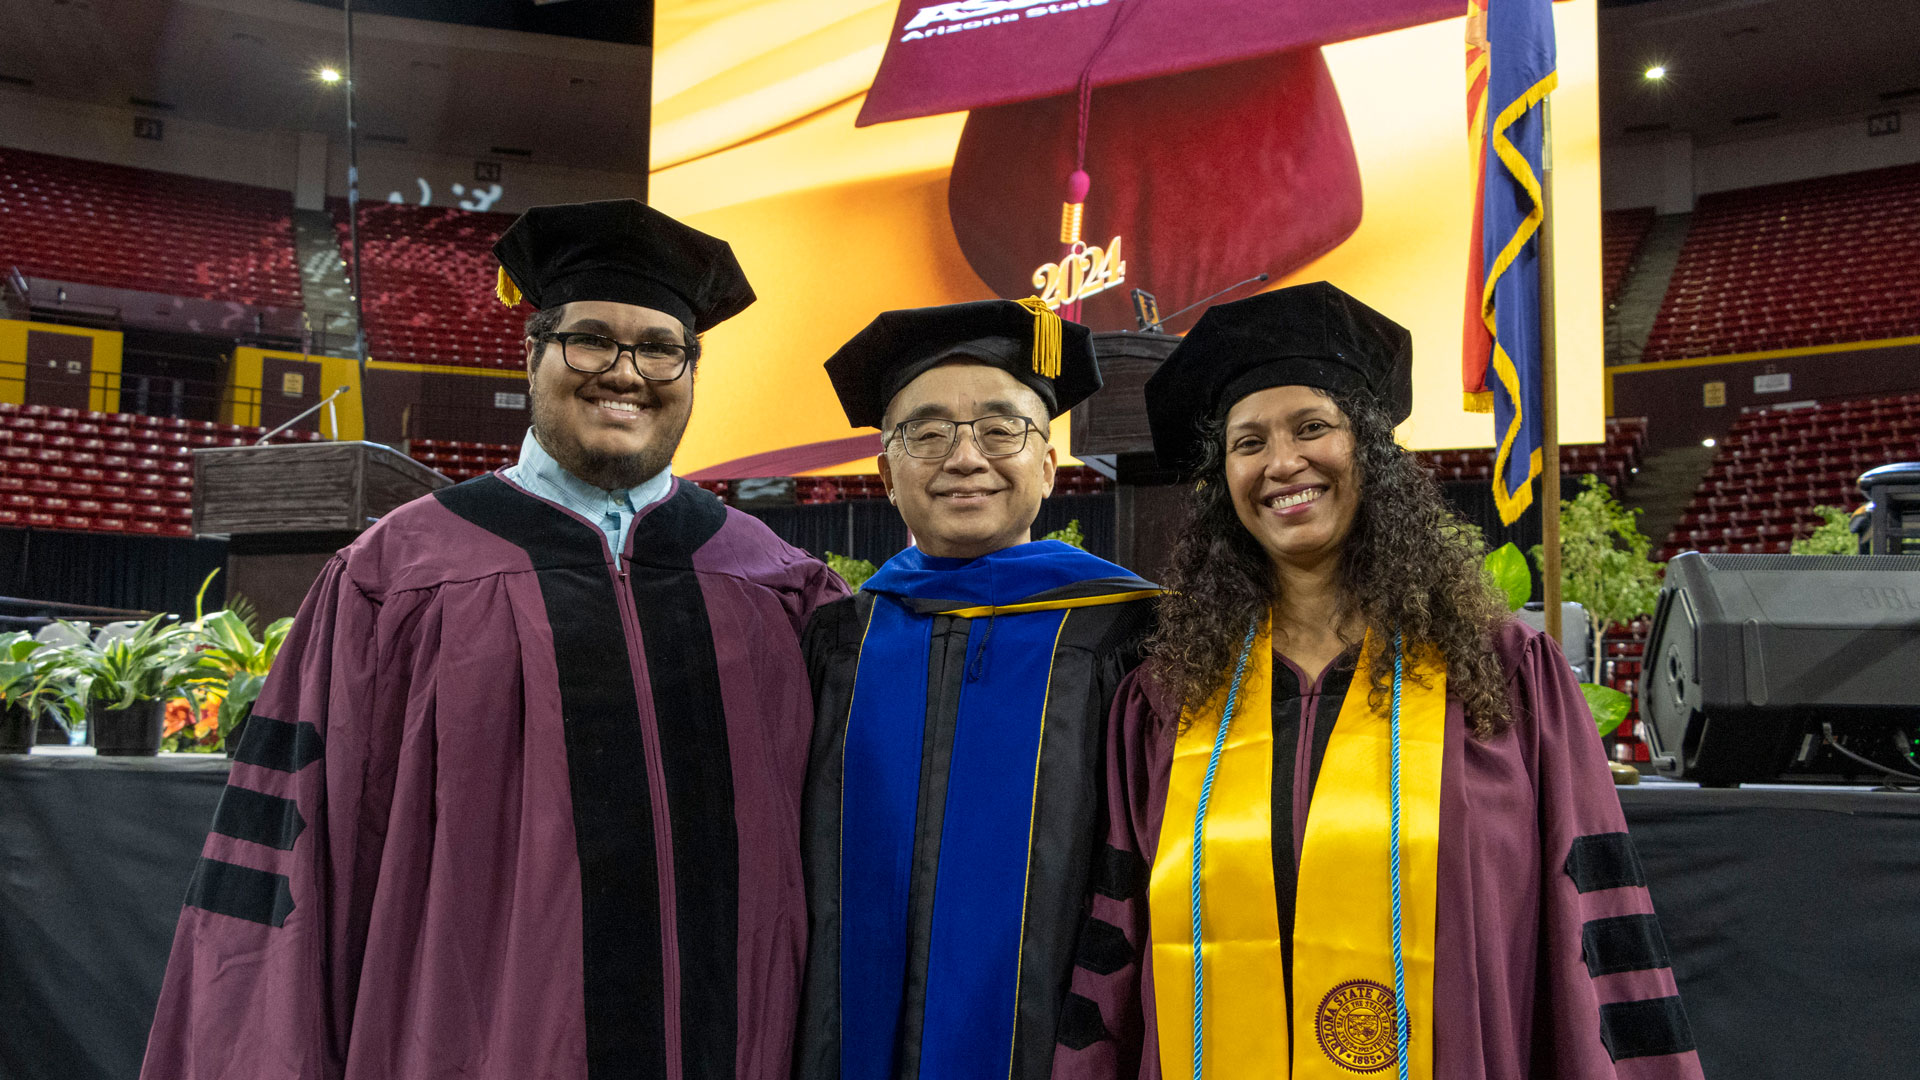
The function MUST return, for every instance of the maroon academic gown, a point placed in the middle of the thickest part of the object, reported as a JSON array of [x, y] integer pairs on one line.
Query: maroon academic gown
[[1549, 964], [510, 808]]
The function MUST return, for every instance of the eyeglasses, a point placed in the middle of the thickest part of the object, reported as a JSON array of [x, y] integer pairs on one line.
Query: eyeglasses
[[592, 354], [996, 436]]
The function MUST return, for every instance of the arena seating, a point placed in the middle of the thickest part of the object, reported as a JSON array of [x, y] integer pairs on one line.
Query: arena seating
[[1816, 262], [462, 460], [1621, 654], [1776, 465], [106, 472], [1614, 461], [429, 288], [1621, 232], [109, 225]]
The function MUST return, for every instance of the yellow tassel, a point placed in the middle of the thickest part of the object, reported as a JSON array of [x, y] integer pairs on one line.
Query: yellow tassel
[[506, 290], [1070, 222], [1046, 337]]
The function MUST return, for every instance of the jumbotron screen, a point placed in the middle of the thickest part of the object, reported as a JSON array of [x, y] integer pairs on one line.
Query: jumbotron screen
[[865, 156]]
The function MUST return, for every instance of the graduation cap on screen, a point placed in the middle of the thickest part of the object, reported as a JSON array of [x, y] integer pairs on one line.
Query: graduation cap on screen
[[1308, 335], [1214, 141], [1023, 338], [620, 250]]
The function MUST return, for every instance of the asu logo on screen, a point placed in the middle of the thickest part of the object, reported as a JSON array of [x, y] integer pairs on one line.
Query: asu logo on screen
[[936, 20]]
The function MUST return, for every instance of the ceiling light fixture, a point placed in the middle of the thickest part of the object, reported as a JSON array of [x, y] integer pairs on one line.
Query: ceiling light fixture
[[1656, 72], [329, 75]]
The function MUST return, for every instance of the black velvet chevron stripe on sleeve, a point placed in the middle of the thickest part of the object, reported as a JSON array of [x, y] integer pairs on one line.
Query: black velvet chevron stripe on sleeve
[[1119, 875], [279, 745], [245, 814], [1103, 948], [1632, 1029], [1604, 861], [240, 891], [1081, 1024], [1624, 943]]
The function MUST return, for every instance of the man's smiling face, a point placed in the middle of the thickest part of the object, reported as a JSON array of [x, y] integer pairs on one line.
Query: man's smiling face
[[614, 429], [966, 504]]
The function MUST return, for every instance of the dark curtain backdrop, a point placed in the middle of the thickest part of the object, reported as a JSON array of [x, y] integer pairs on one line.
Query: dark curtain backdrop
[[1474, 501], [1790, 915], [146, 573], [871, 529]]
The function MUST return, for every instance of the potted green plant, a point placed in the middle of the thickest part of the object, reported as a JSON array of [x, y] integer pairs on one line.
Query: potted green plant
[[1605, 561], [19, 715], [1833, 536], [1508, 569], [120, 682], [227, 645]]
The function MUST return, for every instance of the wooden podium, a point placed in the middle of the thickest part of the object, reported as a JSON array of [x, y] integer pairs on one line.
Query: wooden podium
[[285, 509], [1110, 434]]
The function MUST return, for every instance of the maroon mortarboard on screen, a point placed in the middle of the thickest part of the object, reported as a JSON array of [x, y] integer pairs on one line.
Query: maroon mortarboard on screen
[[1207, 178], [968, 54], [1216, 147]]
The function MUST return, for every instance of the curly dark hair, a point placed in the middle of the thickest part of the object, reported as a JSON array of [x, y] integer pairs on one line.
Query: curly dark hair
[[1410, 564]]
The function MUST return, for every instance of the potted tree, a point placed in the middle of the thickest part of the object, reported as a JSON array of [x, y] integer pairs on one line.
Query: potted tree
[[1508, 569], [19, 714], [120, 682]]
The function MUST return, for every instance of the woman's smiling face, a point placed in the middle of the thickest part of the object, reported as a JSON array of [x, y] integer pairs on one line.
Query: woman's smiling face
[[1290, 469]]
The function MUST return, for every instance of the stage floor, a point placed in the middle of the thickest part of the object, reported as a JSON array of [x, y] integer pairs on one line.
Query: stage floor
[[1791, 913]]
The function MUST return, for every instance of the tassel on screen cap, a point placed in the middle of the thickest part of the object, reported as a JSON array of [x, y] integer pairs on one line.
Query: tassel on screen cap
[[506, 290]]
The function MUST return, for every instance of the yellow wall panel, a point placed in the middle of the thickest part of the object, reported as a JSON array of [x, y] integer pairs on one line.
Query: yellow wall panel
[[244, 390], [104, 396]]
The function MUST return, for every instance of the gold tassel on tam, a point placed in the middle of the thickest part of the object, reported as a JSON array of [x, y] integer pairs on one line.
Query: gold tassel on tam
[[506, 290], [1046, 337]]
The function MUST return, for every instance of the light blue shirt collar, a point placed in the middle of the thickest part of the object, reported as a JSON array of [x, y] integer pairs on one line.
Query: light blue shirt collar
[[612, 511]]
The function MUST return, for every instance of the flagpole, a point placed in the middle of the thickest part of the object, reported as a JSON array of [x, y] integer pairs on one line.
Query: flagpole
[[1549, 390]]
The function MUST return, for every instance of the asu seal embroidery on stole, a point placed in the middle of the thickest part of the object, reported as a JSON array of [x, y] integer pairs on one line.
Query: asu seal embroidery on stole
[[1355, 1026]]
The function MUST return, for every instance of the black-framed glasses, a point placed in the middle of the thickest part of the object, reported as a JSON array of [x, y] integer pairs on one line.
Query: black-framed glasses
[[996, 436], [592, 354]]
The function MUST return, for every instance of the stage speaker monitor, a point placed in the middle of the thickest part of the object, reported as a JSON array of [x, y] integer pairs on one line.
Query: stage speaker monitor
[[1752, 657]]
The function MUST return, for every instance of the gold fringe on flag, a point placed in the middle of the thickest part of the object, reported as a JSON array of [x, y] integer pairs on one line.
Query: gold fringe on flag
[[1046, 337], [506, 290]]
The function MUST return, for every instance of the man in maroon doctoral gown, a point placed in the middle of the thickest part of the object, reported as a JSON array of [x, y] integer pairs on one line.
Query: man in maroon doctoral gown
[[521, 797]]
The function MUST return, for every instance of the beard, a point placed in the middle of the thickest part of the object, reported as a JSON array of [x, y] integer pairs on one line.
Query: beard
[[609, 472]]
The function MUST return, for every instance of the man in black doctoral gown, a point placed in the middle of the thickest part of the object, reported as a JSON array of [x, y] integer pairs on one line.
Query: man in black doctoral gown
[[953, 796]]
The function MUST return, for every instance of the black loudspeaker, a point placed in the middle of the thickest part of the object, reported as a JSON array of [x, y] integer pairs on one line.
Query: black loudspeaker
[[1753, 657]]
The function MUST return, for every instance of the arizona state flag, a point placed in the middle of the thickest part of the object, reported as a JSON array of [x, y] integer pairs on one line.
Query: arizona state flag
[[1510, 72]]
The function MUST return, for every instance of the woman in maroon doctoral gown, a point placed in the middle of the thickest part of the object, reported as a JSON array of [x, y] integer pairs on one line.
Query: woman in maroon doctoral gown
[[1360, 822]]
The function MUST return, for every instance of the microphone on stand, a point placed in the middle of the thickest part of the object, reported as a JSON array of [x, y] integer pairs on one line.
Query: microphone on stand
[[1206, 299]]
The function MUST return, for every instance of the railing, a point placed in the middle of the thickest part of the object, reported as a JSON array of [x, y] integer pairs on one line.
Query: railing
[[323, 338], [159, 395], [18, 297], [17, 613]]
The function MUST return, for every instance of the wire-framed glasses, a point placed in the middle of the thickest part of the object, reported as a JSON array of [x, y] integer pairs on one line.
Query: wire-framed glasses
[[591, 354], [996, 436]]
